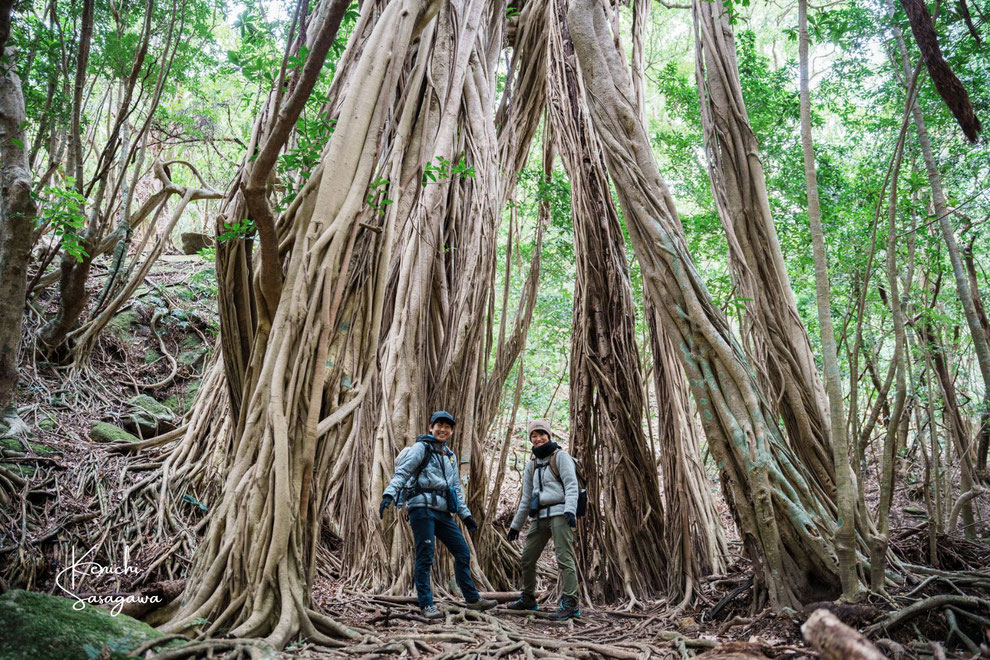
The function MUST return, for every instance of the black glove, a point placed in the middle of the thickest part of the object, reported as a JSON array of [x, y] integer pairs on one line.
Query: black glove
[[571, 520], [470, 523], [512, 534], [386, 503]]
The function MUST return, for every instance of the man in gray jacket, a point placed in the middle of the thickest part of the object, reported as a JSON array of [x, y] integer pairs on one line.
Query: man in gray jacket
[[549, 499], [428, 482]]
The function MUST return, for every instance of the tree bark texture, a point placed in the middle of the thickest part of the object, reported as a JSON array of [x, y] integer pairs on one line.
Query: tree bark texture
[[694, 539], [17, 212], [847, 490], [947, 84], [620, 549], [787, 529], [253, 568], [772, 332]]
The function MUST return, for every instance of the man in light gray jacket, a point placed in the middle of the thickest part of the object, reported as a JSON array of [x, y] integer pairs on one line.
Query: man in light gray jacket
[[549, 500], [427, 481]]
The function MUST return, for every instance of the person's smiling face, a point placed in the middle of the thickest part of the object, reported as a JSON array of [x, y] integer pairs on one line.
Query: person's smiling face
[[441, 430], [539, 438]]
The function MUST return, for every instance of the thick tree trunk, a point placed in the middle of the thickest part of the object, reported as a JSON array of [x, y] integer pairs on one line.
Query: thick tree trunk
[[253, 570], [17, 212], [621, 548], [787, 529], [694, 539], [772, 331]]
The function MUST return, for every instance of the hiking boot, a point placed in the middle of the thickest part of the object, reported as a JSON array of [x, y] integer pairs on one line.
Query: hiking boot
[[481, 604], [524, 602], [568, 610], [431, 612]]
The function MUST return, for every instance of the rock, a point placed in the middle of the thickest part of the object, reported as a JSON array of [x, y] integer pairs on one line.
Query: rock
[[150, 405], [26, 471], [181, 402], [835, 640], [46, 423], [192, 356], [193, 242], [104, 432], [15, 445], [120, 324], [147, 417], [41, 626]]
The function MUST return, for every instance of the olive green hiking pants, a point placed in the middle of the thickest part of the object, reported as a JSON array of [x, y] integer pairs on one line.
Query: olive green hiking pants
[[563, 544]]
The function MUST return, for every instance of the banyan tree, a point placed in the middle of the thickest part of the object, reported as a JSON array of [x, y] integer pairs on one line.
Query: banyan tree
[[786, 525]]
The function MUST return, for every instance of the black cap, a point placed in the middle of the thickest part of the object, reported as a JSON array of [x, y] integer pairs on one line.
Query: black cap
[[441, 414]]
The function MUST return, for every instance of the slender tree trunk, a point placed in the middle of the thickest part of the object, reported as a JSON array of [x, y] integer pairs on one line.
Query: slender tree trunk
[[983, 447], [981, 343], [75, 166], [954, 420], [878, 550], [17, 212], [846, 488]]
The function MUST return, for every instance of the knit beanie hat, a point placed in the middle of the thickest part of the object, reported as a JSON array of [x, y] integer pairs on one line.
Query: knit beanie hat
[[539, 425]]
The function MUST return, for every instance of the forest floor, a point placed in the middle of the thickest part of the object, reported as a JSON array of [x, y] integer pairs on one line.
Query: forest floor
[[165, 336]]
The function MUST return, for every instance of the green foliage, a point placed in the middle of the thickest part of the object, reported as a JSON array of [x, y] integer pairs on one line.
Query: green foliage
[[63, 209], [376, 196], [241, 229], [444, 169]]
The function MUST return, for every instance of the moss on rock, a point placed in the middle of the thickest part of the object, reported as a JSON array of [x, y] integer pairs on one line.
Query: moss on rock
[[120, 324], [192, 356], [104, 432], [151, 406], [40, 626], [26, 471], [15, 444], [182, 401], [46, 423]]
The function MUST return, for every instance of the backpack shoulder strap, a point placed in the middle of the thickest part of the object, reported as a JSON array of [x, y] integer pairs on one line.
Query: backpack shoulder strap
[[553, 465], [578, 471], [427, 455]]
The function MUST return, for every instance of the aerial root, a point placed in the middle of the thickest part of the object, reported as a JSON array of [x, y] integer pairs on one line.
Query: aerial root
[[969, 603], [252, 647]]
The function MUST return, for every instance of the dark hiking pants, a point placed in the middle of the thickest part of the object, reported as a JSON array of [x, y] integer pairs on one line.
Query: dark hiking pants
[[427, 524]]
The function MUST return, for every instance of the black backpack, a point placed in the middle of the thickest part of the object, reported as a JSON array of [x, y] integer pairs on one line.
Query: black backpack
[[449, 495]]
